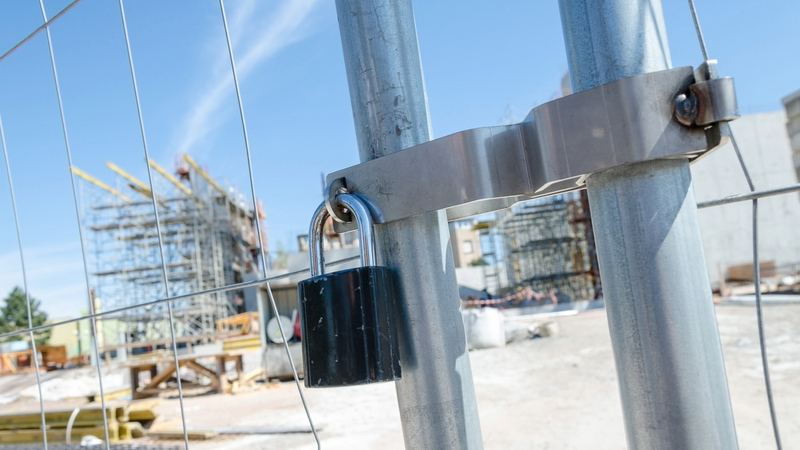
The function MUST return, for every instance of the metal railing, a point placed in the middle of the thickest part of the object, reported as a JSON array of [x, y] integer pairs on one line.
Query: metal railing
[[754, 196], [265, 279], [167, 299]]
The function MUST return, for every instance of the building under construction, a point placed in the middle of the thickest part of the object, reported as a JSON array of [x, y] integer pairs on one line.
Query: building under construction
[[548, 245], [208, 237]]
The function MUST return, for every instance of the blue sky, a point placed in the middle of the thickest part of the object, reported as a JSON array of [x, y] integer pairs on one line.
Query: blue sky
[[485, 63]]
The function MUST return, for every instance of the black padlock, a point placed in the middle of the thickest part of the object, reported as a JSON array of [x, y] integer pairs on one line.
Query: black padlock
[[348, 317]]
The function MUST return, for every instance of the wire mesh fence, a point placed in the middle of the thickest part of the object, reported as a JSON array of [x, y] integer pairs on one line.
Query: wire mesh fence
[[126, 220], [158, 243], [96, 446]]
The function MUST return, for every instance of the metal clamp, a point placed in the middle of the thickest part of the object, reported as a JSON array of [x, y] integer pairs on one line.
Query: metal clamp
[[554, 150], [710, 100]]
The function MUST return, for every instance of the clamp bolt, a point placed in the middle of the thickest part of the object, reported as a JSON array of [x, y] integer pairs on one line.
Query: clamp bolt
[[686, 109]]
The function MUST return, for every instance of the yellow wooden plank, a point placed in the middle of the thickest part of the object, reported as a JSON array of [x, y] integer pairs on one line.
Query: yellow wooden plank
[[204, 174], [170, 178], [142, 410], [131, 430], [114, 395], [195, 435], [100, 184], [140, 405], [59, 419], [58, 435], [239, 343], [142, 415], [137, 186], [125, 432]]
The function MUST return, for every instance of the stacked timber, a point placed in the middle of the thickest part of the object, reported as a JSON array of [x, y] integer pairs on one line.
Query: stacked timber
[[125, 421], [744, 272], [246, 342]]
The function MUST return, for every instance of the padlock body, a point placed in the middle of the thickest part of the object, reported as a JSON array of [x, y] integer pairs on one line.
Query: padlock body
[[348, 325]]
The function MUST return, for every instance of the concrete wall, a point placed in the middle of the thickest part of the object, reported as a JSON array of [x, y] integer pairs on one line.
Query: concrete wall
[[466, 246], [792, 105], [475, 277], [76, 336], [727, 229], [66, 335], [465, 242], [471, 277]]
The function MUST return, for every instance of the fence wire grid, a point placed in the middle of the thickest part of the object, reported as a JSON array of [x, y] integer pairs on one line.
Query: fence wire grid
[[265, 279]]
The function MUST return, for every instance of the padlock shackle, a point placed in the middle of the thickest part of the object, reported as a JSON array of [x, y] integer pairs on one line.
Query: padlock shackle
[[365, 233], [315, 240], [365, 224]]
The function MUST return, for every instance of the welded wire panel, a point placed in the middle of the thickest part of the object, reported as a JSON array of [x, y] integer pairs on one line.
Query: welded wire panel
[[69, 168], [39, 29], [160, 239], [93, 447], [756, 263], [153, 242], [163, 215], [31, 337], [257, 222], [115, 313]]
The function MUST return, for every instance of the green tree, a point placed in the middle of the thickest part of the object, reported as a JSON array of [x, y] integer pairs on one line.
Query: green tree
[[478, 262], [14, 316], [282, 259]]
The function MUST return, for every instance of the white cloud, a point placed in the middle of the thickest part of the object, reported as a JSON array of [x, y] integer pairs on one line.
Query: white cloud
[[256, 37]]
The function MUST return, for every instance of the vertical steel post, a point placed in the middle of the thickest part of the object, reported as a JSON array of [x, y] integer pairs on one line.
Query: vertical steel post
[[384, 71], [661, 318]]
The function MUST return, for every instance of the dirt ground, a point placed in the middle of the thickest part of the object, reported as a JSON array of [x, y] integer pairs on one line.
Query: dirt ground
[[552, 393]]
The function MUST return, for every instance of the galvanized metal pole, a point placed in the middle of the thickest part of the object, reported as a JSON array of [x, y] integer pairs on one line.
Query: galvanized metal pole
[[436, 395], [661, 316]]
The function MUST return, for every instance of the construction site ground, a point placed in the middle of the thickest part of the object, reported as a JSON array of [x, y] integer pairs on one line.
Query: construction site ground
[[547, 393]]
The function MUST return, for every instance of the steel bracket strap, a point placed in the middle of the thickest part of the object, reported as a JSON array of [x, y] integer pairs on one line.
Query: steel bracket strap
[[657, 115]]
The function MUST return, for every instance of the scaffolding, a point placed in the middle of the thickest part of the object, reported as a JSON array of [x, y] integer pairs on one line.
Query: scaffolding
[[208, 237], [548, 246]]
